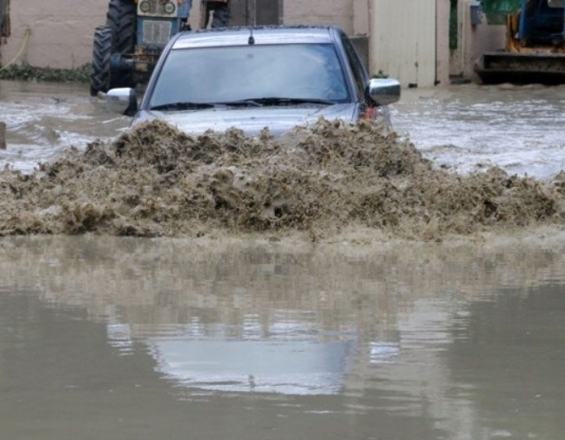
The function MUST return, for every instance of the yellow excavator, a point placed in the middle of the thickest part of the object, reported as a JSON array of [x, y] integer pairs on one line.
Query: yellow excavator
[[535, 46]]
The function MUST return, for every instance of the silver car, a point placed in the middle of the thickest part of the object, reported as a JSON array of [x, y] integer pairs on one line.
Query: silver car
[[255, 78]]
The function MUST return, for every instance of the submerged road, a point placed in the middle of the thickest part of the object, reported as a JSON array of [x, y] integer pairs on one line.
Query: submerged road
[[469, 128], [465, 128], [218, 338]]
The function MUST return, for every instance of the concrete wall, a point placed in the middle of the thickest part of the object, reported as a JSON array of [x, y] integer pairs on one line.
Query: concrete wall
[[403, 45], [361, 17], [61, 31], [338, 12], [473, 41]]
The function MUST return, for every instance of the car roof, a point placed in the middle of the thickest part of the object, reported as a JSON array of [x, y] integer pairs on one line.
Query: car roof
[[261, 36]]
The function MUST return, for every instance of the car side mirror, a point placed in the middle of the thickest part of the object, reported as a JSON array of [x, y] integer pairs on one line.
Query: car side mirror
[[383, 90], [122, 100]]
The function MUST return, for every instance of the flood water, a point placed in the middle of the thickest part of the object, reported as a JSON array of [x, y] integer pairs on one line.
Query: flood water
[[465, 128], [222, 339], [44, 119], [469, 128], [218, 338]]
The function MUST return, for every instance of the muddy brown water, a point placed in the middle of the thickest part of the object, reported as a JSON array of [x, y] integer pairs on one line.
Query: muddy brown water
[[270, 336], [467, 128], [219, 338], [45, 119], [158, 181]]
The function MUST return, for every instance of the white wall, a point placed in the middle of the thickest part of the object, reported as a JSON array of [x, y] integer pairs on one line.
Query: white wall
[[403, 40]]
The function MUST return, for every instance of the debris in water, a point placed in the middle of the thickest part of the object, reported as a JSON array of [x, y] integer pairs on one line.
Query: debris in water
[[156, 180], [2, 135]]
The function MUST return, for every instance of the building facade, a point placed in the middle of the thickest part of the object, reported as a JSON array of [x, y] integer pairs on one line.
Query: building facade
[[421, 43]]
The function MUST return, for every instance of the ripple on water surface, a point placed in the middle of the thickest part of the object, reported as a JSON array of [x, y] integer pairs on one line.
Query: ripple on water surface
[[472, 127], [235, 339], [45, 119]]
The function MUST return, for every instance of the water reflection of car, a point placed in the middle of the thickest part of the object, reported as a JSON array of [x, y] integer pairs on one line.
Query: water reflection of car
[[260, 366], [255, 78]]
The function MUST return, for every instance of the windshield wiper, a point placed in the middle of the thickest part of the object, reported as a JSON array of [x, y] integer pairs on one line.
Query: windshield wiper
[[240, 103], [182, 106], [275, 100], [252, 102]]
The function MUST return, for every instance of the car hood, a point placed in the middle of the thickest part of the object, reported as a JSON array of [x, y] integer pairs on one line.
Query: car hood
[[278, 120]]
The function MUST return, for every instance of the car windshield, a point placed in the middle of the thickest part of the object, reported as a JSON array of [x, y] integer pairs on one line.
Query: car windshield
[[270, 75]]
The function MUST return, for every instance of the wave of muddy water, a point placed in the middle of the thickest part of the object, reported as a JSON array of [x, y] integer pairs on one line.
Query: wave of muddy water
[[466, 128], [104, 337], [155, 180]]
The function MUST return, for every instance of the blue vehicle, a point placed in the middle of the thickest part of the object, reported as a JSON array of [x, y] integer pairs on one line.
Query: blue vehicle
[[535, 46], [128, 46]]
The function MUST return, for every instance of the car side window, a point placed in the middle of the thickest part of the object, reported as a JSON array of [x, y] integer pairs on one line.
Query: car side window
[[356, 66]]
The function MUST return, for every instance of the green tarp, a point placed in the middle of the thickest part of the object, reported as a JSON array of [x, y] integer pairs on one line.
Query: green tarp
[[497, 10]]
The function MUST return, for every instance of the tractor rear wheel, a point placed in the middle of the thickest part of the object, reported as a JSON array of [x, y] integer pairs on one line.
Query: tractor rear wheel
[[121, 17], [100, 80], [122, 20]]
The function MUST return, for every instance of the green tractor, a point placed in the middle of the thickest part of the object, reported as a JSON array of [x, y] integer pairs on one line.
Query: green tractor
[[128, 46]]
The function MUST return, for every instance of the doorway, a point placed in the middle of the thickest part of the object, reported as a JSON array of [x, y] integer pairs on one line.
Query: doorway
[[256, 12]]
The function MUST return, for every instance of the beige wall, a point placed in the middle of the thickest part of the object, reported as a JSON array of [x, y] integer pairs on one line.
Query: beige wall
[[61, 31], [337, 12], [403, 40], [361, 17]]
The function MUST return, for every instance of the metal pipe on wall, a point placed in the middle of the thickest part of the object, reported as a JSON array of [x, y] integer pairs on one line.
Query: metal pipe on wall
[[4, 19], [253, 12]]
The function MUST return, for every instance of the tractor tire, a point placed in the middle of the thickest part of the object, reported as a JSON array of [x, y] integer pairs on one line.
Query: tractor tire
[[122, 20], [100, 80]]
